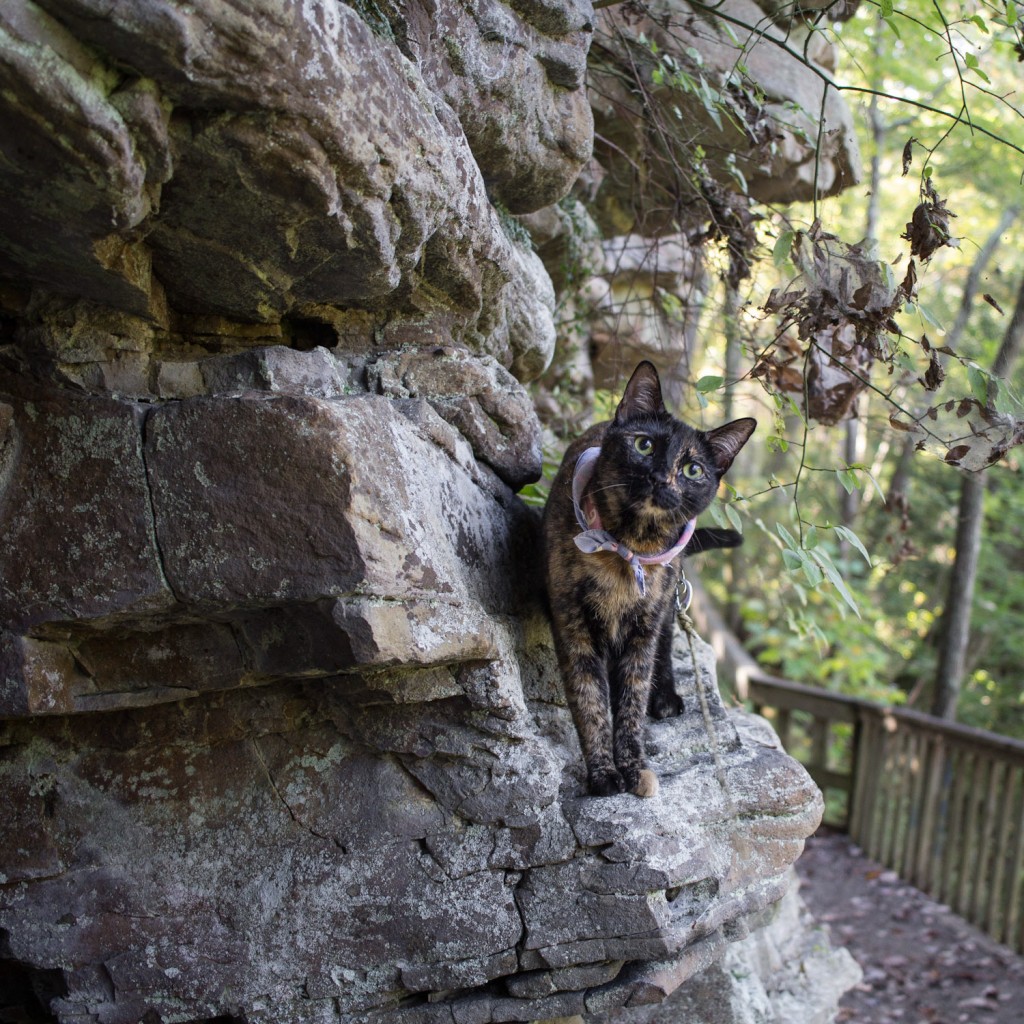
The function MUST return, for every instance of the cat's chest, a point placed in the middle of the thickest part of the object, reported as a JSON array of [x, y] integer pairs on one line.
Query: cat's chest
[[615, 601]]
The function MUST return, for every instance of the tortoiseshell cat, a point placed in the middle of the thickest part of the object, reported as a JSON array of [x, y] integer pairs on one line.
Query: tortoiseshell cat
[[640, 481]]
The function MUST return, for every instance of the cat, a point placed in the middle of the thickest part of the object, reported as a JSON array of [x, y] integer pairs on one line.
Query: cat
[[640, 480]]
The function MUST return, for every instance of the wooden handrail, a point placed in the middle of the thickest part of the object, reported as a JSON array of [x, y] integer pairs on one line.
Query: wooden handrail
[[940, 803]]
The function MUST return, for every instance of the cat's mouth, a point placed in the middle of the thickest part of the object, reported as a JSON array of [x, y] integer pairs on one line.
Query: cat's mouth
[[665, 507]]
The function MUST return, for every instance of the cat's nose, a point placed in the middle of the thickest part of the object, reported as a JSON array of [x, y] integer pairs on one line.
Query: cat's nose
[[665, 496]]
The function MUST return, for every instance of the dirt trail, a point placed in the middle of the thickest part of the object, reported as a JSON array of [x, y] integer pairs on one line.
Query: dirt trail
[[922, 964]]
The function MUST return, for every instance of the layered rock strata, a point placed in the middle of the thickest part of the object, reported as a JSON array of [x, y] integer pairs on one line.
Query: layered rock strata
[[400, 844], [280, 729]]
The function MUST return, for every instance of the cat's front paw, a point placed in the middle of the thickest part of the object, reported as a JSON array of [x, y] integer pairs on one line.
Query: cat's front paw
[[640, 781], [605, 782], [647, 785], [665, 704]]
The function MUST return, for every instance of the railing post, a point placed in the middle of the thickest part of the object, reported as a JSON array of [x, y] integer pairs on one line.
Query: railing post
[[854, 799]]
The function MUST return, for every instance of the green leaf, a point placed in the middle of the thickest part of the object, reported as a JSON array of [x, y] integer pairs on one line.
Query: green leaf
[[1001, 397], [977, 379], [810, 538], [929, 317], [777, 444], [792, 559], [717, 511], [783, 246], [709, 383], [887, 18], [847, 534], [848, 478], [1011, 12], [835, 578], [972, 65], [812, 572], [787, 537], [734, 518]]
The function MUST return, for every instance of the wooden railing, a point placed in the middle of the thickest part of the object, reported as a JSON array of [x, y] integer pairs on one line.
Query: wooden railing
[[939, 803]]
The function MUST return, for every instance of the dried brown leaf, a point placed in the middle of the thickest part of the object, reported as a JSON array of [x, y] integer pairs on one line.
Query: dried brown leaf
[[928, 230], [934, 375], [909, 284], [908, 155], [992, 302]]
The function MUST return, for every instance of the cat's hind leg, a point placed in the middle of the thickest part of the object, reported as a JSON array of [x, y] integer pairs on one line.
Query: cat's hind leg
[[664, 701]]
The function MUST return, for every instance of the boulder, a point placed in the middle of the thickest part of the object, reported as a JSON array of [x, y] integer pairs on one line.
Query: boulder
[[402, 843]]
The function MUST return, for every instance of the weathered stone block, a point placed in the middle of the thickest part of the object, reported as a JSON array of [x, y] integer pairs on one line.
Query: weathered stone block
[[269, 500], [76, 534], [36, 677], [480, 398]]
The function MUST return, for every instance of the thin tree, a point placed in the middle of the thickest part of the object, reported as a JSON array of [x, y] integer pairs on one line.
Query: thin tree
[[957, 615]]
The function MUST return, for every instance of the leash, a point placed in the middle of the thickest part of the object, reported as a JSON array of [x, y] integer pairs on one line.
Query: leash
[[686, 623]]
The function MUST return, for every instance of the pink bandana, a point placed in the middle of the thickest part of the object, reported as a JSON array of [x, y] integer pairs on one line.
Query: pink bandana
[[595, 538]]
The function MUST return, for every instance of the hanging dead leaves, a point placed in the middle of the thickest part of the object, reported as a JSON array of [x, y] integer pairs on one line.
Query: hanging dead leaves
[[965, 433], [838, 319], [834, 325], [928, 230]]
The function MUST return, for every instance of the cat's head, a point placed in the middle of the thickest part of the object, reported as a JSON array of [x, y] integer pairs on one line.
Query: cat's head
[[653, 467]]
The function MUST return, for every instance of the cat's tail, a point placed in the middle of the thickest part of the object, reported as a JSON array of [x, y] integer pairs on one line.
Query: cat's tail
[[707, 538]]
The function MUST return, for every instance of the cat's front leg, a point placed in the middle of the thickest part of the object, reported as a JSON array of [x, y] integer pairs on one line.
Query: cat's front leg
[[587, 690], [634, 671], [585, 677]]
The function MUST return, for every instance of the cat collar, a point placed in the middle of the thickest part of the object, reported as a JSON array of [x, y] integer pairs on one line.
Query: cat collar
[[595, 538]]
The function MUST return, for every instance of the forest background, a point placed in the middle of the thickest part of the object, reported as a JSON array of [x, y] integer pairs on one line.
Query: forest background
[[874, 335]]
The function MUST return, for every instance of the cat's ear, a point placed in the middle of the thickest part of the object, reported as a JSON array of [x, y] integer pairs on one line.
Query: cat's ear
[[642, 396], [726, 441]]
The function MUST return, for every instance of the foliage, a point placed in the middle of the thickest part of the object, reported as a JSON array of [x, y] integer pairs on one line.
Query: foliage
[[842, 577]]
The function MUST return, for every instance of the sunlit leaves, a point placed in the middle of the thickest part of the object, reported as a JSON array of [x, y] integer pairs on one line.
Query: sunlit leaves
[[811, 560]]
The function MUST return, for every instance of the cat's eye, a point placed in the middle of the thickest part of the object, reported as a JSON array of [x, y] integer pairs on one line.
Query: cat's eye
[[693, 471], [644, 445]]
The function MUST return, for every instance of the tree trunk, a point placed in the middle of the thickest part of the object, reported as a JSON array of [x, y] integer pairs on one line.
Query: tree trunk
[[957, 616], [956, 619]]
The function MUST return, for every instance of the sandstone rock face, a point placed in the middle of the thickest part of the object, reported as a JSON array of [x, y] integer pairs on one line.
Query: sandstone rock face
[[224, 541], [737, 88], [281, 733], [252, 164], [405, 844], [784, 972]]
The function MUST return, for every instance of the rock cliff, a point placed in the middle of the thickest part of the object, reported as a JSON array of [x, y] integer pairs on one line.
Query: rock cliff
[[280, 730]]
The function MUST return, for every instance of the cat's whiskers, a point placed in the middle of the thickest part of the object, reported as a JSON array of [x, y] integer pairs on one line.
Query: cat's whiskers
[[607, 487]]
